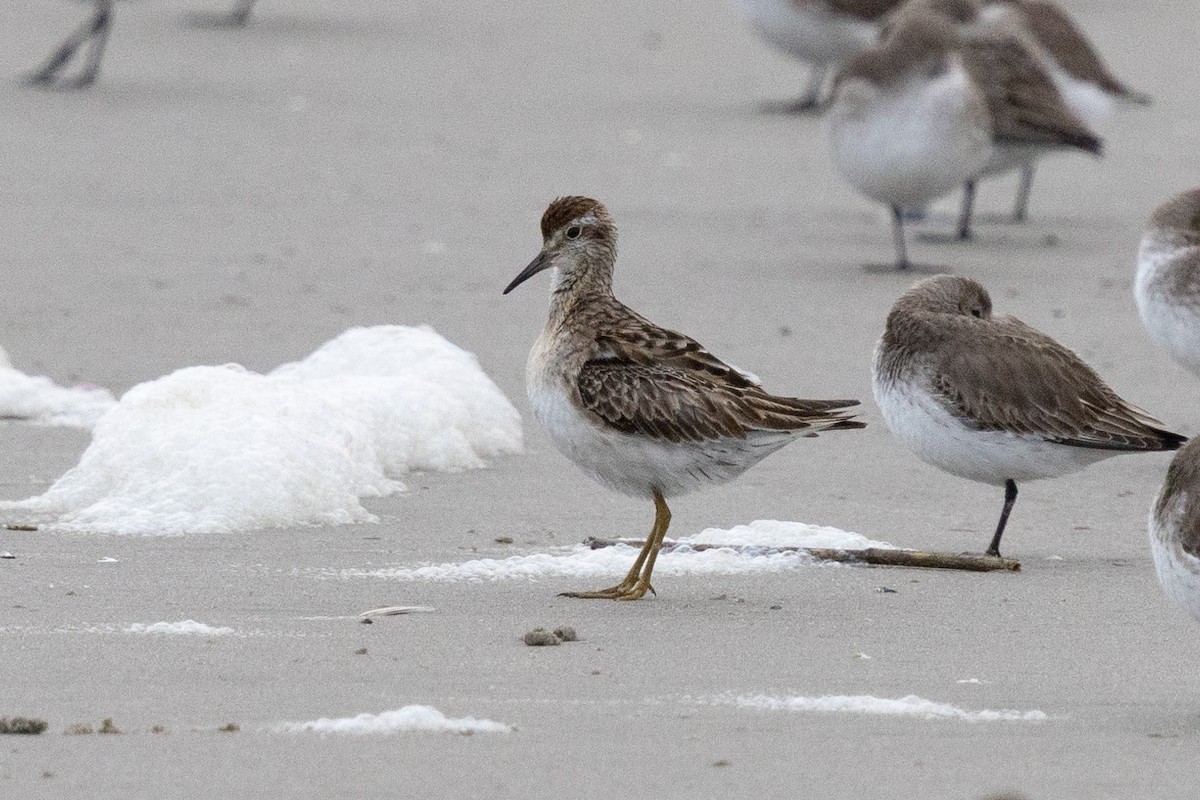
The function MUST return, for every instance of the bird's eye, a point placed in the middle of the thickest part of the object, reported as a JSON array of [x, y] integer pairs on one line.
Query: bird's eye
[[977, 313], [574, 231]]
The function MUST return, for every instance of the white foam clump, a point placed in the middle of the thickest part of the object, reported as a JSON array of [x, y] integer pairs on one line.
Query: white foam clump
[[215, 449], [37, 399], [408, 718], [188, 627], [583, 562], [779, 533], [907, 706]]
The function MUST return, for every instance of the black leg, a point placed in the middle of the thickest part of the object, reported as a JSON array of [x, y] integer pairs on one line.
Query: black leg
[[1010, 498], [902, 261], [97, 26], [1022, 205], [968, 206], [241, 12], [811, 100], [100, 28]]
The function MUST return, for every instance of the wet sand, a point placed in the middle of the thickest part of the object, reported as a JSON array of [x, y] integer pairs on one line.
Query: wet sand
[[247, 195]]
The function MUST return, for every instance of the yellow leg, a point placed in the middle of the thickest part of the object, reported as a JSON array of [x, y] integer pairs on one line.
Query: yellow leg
[[637, 580]]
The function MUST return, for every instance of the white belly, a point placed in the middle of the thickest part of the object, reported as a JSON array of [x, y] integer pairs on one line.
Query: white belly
[[909, 146], [1178, 571], [939, 438], [808, 32], [1172, 322], [637, 466]]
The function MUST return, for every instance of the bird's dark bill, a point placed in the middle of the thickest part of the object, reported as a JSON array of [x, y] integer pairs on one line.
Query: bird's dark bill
[[537, 265]]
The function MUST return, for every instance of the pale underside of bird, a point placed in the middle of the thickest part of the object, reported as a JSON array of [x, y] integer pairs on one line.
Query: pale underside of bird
[[93, 34], [1167, 287], [1174, 527], [641, 409], [909, 122], [993, 400], [823, 33]]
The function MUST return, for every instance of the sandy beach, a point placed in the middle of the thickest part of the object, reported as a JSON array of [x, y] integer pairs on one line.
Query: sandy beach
[[246, 195]]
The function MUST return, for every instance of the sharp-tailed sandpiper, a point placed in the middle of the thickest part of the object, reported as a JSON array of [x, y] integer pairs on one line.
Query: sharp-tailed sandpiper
[[641, 409]]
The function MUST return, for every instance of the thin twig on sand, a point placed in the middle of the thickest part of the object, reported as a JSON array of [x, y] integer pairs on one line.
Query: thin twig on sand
[[874, 556]]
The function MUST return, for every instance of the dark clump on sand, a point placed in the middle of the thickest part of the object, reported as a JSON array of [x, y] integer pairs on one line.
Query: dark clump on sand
[[22, 725]]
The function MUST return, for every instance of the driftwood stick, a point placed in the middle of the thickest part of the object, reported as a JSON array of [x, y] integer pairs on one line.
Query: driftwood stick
[[872, 555], [18, 526]]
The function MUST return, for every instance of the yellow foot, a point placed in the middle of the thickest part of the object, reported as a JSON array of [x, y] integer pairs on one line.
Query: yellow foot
[[622, 591]]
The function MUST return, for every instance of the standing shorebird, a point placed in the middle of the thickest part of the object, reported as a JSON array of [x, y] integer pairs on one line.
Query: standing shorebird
[[824, 33], [94, 33], [1089, 89], [1029, 116], [993, 400], [641, 409], [1167, 289], [1175, 529], [909, 122]]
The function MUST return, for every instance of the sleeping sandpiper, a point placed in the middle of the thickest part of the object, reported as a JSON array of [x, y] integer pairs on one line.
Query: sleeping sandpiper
[[823, 33], [1088, 87], [1175, 529], [909, 123], [641, 409], [993, 400], [1086, 82], [1030, 116], [1167, 289]]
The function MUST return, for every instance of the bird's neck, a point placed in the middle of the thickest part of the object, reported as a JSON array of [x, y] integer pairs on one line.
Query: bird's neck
[[583, 282]]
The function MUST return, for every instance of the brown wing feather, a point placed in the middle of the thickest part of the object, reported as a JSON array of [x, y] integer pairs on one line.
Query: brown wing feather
[[675, 405], [1026, 106], [1059, 34], [1015, 378], [642, 342]]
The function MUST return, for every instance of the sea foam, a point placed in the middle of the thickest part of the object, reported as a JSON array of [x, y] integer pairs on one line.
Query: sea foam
[[408, 718], [37, 399], [215, 449], [753, 548]]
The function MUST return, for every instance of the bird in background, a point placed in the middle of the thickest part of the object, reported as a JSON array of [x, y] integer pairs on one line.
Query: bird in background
[[1048, 34], [909, 122], [993, 400], [641, 409], [1167, 286], [1087, 83], [94, 34], [823, 33], [1174, 527], [1029, 115]]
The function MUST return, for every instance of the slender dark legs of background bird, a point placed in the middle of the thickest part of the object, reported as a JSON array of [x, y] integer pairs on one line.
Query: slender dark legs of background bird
[[968, 207], [241, 12], [811, 99], [1010, 497], [1022, 204], [902, 261], [95, 32]]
